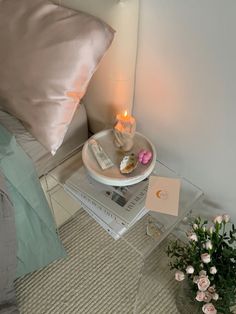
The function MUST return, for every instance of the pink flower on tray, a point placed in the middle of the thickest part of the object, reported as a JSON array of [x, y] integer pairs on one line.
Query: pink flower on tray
[[144, 156], [209, 309]]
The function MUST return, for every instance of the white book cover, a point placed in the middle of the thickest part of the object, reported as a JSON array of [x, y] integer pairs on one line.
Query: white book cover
[[115, 229], [110, 226], [124, 202]]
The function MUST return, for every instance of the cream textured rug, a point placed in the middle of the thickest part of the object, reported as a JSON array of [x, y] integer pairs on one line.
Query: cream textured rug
[[100, 275]]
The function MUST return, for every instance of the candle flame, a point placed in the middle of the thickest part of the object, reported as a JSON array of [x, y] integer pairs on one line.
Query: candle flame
[[125, 113]]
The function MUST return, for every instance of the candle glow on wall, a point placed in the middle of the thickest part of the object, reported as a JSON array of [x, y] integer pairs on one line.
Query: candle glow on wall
[[121, 96]]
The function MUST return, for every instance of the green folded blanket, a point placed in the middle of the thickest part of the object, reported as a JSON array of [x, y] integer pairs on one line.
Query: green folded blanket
[[37, 241]]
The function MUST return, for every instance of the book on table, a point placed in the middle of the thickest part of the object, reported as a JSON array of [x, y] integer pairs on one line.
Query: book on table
[[115, 229], [118, 207]]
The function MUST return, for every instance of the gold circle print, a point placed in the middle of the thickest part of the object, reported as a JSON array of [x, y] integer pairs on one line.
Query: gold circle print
[[162, 194]]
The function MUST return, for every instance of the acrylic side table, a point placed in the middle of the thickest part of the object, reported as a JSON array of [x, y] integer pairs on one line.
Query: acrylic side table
[[136, 237]]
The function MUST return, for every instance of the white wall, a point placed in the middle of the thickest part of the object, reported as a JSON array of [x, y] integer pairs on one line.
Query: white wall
[[111, 88], [185, 94]]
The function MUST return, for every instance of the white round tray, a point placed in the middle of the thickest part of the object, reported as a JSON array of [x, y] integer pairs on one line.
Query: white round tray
[[112, 176]]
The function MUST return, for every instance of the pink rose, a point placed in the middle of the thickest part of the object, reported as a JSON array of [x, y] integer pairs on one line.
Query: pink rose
[[206, 258], [215, 296], [200, 296], [208, 297], [226, 217], [209, 309], [213, 270], [190, 269], [203, 283], [193, 237], [179, 275], [218, 219]]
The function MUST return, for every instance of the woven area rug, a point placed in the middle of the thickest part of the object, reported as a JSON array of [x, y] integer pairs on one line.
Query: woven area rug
[[100, 276]]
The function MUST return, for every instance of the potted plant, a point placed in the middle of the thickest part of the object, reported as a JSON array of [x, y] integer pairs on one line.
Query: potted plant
[[207, 262]]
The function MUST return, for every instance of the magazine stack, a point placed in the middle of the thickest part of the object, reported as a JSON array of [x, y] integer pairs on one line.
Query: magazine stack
[[116, 209]]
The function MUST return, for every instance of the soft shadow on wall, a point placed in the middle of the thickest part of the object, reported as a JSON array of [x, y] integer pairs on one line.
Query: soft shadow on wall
[[185, 92]]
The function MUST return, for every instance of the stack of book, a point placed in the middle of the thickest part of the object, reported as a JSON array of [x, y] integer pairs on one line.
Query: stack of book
[[116, 209]]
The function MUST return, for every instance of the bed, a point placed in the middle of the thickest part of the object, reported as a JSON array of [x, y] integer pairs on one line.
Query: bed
[[109, 91]]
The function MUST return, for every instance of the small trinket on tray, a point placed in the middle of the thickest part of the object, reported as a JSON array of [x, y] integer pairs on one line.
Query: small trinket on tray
[[128, 164], [144, 156], [100, 155]]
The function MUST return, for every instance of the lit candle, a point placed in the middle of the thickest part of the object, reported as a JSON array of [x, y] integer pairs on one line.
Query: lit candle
[[125, 122], [124, 131]]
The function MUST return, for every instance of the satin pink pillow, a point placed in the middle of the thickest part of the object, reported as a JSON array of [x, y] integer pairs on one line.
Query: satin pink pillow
[[48, 55]]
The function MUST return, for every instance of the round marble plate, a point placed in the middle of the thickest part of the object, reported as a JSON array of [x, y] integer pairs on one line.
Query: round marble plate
[[112, 176]]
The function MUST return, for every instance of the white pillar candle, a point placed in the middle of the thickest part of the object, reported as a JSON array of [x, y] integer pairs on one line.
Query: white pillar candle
[[125, 123], [124, 131]]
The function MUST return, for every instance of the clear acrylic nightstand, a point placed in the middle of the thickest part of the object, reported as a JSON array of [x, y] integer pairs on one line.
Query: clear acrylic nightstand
[[136, 238]]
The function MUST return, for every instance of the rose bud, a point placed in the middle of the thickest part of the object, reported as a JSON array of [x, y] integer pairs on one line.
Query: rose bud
[[218, 219], [190, 269], [213, 270], [215, 296], [211, 229], [208, 245], [179, 275], [193, 237], [206, 258], [195, 226], [226, 217]]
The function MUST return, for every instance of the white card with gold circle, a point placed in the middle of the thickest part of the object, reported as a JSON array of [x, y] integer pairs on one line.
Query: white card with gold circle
[[163, 195]]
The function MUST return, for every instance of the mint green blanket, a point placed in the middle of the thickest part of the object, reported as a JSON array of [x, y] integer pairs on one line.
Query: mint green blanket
[[37, 240]]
